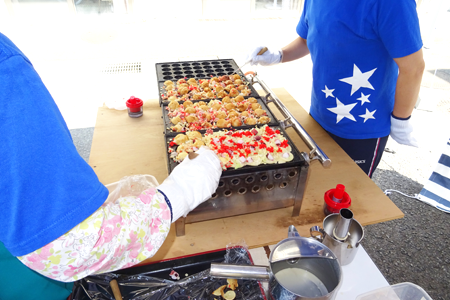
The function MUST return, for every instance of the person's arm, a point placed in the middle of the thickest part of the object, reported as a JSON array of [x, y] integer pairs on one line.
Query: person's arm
[[125, 232], [298, 48], [411, 69]]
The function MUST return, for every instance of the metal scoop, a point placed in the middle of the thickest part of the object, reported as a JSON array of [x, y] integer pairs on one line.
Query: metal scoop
[[261, 52]]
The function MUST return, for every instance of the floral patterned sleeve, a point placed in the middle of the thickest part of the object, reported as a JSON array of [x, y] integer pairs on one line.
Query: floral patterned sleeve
[[116, 236]]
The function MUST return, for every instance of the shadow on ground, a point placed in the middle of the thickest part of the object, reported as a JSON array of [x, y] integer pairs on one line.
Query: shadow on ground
[[416, 248]]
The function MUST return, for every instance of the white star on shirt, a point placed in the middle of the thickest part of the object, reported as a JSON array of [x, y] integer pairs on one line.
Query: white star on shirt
[[368, 115], [359, 79], [364, 99], [328, 92], [343, 111]]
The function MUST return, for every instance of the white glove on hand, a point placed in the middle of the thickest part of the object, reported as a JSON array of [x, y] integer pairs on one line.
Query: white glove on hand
[[192, 182], [268, 58], [401, 132]]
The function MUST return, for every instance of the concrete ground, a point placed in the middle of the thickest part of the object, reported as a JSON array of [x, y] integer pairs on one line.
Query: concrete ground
[[72, 56]]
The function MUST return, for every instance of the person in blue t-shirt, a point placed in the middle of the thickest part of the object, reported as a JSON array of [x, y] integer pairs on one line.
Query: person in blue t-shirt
[[367, 68], [58, 222]]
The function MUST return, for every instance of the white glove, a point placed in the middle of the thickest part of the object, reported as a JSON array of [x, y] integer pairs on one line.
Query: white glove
[[270, 57], [401, 132], [192, 182]]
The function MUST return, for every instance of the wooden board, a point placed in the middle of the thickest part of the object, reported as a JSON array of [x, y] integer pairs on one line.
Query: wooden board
[[125, 146]]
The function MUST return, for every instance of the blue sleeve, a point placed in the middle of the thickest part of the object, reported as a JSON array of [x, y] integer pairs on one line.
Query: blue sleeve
[[302, 26], [397, 24], [46, 188]]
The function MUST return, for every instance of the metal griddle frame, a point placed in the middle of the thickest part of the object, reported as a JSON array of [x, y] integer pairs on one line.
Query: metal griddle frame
[[289, 121]]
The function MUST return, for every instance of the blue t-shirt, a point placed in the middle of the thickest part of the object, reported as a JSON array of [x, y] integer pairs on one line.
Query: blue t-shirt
[[352, 45], [46, 188]]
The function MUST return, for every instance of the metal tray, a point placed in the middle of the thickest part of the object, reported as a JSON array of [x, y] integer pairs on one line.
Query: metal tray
[[168, 124], [202, 69], [298, 160]]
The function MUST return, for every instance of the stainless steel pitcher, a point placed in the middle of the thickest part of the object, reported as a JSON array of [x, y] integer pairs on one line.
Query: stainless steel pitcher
[[299, 269], [341, 233]]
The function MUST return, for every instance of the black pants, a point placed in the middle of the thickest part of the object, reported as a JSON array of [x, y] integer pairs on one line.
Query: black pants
[[366, 153]]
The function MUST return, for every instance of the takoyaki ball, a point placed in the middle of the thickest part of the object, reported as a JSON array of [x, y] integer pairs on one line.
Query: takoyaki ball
[[242, 107], [172, 98], [204, 107], [173, 105], [241, 87], [170, 87], [235, 122], [206, 125], [228, 82], [191, 119], [183, 85], [205, 84], [221, 115], [180, 139], [168, 82], [246, 92], [181, 156], [207, 89], [192, 81], [239, 98], [192, 135], [236, 76], [264, 120], [208, 117], [190, 110], [222, 94], [245, 114], [183, 90], [227, 100], [238, 82], [216, 106], [175, 120], [250, 121], [255, 106], [210, 95], [228, 88], [197, 96], [198, 143], [233, 114], [181, 81], [234, 92], [252, 100], [219, 89], [214, 79], [177, 128], [200, 103], [259, 112], [221, 123], [230, 106]]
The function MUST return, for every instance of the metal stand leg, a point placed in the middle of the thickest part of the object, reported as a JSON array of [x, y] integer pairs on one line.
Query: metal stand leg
[[301, 187], [180, 227]]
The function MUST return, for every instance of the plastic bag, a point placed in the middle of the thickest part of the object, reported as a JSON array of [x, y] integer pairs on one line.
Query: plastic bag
[[132, 185], [199, 286]]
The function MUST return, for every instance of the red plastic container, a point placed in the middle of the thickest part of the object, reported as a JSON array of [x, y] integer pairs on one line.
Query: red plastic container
[[135, 107], [335, 200]]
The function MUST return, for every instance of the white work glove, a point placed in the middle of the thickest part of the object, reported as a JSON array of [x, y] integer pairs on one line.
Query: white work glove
[[401, 132], [192, 182], [268, 58]]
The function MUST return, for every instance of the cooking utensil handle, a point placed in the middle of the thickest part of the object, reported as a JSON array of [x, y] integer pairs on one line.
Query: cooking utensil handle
[[262, 51], [221, 270], [316, 153], [318, 237]]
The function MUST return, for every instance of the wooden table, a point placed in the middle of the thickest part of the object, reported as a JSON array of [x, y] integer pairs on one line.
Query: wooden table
[[124, 146]]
